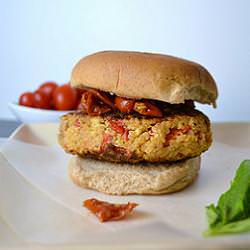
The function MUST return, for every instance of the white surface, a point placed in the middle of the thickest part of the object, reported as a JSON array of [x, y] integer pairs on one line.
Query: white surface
[[42, 205], [42, 40], [33, 115], [2, 141]]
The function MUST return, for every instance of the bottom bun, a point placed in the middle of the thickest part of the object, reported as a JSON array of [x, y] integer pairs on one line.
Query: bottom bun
[[123, 179]]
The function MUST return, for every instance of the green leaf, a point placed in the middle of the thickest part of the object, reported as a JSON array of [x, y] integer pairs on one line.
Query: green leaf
[[235, 203], [232, 214], [212, 215], [231, 228]]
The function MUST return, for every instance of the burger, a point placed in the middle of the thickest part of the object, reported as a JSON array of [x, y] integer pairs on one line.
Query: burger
[[137, 130]]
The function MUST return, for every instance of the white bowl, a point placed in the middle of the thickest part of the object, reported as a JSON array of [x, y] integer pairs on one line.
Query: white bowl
[[34, 115]]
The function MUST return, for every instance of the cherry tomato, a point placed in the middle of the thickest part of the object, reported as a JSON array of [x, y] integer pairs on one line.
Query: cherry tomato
[[26, 99], [65, 97], [79, 93], [89, 105], [48, 88], [101, 96], [51, 101], [41, 101], [106, 211], [79, 105], [147, 108], [124, 105]]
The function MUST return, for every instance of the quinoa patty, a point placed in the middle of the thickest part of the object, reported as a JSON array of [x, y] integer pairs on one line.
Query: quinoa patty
[[132, 139]]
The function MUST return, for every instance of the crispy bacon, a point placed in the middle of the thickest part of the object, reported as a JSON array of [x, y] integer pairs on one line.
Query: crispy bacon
[[106, 211]]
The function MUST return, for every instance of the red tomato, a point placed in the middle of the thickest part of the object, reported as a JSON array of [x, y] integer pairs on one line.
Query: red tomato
[[48, 88], [41, 101], [65, 98], [124, 105], [79, 105], [147, 108], [26, 99], [52, 106], [106, 211], [79, 93]]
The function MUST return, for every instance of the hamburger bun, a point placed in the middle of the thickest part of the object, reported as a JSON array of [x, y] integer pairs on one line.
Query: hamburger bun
[[124, 179], [145, 75]]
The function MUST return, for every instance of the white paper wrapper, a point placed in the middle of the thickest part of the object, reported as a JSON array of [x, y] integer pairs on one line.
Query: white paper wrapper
[[42, 204]]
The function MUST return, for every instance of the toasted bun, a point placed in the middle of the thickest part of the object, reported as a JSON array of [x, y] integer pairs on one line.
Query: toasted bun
[[123, 179], [145, 75]]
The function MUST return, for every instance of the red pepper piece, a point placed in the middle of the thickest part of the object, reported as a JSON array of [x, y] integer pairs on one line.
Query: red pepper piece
[[106, 211]]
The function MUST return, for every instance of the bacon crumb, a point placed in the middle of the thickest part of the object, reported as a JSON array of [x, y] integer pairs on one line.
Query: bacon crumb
[[106, 211]]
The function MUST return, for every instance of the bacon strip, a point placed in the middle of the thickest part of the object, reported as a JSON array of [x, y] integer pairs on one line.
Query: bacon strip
[[106, 211]]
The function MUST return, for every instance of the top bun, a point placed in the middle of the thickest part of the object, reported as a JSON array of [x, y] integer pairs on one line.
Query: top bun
[[145, 75]]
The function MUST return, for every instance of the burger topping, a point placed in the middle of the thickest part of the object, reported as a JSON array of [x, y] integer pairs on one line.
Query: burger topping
[[102, 97], [91, 105], [106, 211], [146, 108], [95, 102], [124, 105]]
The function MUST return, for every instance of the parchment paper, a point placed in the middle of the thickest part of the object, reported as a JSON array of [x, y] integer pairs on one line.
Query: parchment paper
[[39, 201]]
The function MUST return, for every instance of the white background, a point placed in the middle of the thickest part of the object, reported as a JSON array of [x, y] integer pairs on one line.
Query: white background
[[41, 40]]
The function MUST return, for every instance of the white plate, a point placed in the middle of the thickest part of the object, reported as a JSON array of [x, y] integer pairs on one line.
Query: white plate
[[157, 235], [35, 115]]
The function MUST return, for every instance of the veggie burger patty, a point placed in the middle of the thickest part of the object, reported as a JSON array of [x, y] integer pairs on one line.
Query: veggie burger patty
[[133, 139]]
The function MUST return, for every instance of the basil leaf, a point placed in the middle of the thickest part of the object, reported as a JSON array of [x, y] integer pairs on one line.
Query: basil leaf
[[232, 214], [231, 228], [213, 216]]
